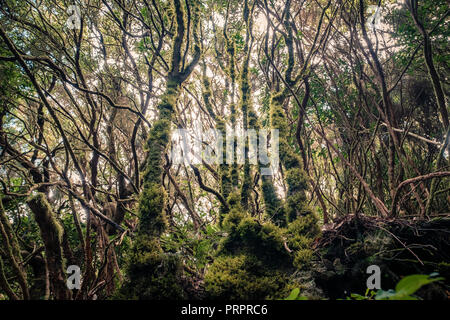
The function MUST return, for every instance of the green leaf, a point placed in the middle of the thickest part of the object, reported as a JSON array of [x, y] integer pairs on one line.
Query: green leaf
[[410, 284], [358, 296], [294, 294]]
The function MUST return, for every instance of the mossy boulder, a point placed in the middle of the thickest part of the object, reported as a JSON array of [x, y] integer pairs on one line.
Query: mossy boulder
[[252, 261], [247, 235], [152, 273], [243, 277]]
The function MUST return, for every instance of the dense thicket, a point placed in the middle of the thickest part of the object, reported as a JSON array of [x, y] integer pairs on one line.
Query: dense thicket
[[92, 93]]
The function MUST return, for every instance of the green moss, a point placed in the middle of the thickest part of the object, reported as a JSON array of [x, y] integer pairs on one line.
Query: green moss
[[299, 219], [231, 49], [301, 233], [251, 262], [151, 208], [277, 117], [152, 274], [13, 245], [296, 180], [242, 277], [46, 219], [52, 236], [234, 200], [168, 100], [232, 220], [303, 258], [272, 203], [303, 228], [157, 143], [265, 241], [225, 188]]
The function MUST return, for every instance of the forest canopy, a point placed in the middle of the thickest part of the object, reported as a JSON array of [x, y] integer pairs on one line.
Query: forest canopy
[[111, 111]]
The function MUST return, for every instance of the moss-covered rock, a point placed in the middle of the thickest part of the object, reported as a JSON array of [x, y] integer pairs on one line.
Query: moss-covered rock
[[243, 277], [153, 274], [249, 236], [251, 261]]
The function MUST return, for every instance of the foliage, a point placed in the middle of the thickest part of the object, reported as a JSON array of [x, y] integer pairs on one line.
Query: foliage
[[404, 290], [89, 173]]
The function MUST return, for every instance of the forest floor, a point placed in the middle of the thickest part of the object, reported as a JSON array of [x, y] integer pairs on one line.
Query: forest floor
[[399, 247]]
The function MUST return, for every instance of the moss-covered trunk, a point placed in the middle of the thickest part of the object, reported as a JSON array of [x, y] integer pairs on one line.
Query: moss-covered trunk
[[152, 273], [52, 236]]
